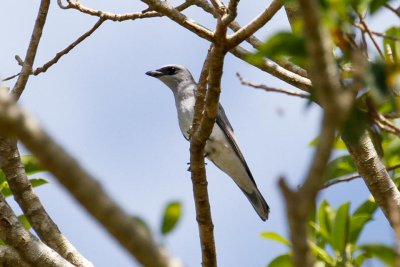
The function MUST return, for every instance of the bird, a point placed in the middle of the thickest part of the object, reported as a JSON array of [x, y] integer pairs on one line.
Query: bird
[[221, 147]]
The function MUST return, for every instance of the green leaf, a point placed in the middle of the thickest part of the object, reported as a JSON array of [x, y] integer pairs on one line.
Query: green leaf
[[367, 207], [284, 260], [375, 5], [384, 253], [284, 45], [340, 229], [5, 189], [321, 254], [172, 214], [276, 237], [360, 259], [340, 166], [339, 144], [392, 47], [325, 219], [35, 182], [354, 126], [22, 218], [357, 223], [31, 164], [2, 176]]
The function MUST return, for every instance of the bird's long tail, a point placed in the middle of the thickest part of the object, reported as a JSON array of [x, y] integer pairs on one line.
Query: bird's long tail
[[259, 203]]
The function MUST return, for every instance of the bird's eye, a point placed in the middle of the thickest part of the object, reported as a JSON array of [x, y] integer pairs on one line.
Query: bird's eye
[[172, 70]]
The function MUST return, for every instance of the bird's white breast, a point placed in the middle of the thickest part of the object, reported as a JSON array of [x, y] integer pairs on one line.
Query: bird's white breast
[[185, 108]]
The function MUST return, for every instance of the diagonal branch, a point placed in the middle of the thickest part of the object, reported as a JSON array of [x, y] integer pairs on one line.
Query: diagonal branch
[[32, 207], [65, 51], [10, 257], [270, 89], [253, 26], [32, 48], [82, 185], [167, 10], [31, 250]]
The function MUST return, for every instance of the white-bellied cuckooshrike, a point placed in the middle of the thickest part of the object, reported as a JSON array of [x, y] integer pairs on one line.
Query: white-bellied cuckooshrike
[[221, 147]]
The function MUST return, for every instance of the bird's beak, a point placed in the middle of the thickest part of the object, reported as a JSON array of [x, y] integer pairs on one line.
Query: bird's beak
[[154, 73]]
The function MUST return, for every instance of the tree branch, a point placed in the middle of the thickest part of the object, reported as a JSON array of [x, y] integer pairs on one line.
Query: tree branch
[[80, 184], [254, 25], [274, 69], [65, 51], [175, 15], [199, 180], [9, 257], [351, 177], [32, 48], [270, 89], [32, 207], [374, 173], [33, 251], [336, 104]]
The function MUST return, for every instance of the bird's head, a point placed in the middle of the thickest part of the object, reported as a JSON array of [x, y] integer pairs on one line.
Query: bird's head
[[174, 76]]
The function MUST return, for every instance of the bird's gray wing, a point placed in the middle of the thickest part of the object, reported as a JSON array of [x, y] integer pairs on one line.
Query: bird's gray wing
[[223, 122]]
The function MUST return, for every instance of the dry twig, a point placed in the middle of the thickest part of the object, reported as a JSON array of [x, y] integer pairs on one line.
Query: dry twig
[[270, 89]]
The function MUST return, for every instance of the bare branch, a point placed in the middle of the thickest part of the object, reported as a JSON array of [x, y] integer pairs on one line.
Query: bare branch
[[374, 173], [336, 104], [9, 257], [351, 177], [270, 89], [258, 22], [112, 16], [371, 36], [199, 180], [175, 15], [33, 251], [231, 12], [379, 34], [255, 42], [394, 10], [11, 77], [60, 4], [32, 48], [65, 51], [274, 69], [82, 185], [32, 207]]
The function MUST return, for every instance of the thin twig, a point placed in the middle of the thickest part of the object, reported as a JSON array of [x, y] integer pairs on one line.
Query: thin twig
[[65, 51], [270, 89], [32, 49], [394, 10], [350, 177], [11, 77], [371, 36], [254, 25], [274, 69], [379, 34]]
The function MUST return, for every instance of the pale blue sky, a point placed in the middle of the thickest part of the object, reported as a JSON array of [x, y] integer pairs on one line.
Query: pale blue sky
[[122, 126]]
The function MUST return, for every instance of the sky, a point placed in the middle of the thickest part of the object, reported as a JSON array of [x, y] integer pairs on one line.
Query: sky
[[122, 126]]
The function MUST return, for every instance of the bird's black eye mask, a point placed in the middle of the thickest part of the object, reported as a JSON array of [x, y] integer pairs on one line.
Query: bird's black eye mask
[[169, 70]]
